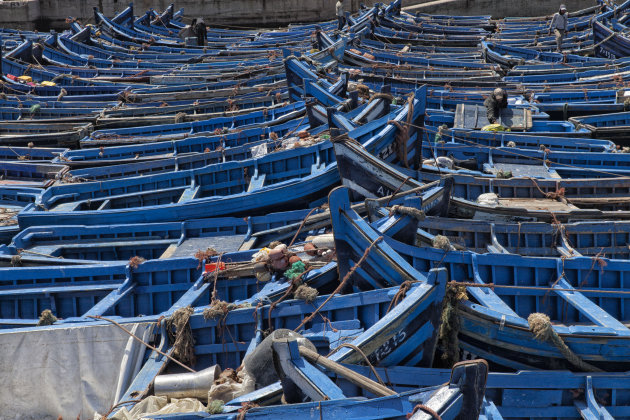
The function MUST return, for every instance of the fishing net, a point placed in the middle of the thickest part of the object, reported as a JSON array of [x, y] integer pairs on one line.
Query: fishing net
[[219, 308], [306, 293], [503, 174], [297, 268], [46, 318], [180, 335], [449, 328], [215, 407], [441, 242]]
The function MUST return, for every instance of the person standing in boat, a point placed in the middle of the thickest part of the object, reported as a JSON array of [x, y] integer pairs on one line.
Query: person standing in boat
[[340, 16], [494, 104], [559, 26], [201, 31], [188, 31]]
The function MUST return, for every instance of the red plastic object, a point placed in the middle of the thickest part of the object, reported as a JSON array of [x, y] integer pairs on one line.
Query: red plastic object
[[213, 266]]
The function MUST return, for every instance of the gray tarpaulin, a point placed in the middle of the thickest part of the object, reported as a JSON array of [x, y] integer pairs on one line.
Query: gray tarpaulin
[[67, 371]]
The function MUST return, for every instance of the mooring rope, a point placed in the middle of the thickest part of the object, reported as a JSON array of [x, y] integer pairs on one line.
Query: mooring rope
[[428, 410], [540, 326], [143, 342], [540, 288], [341, 284], [365, 358]]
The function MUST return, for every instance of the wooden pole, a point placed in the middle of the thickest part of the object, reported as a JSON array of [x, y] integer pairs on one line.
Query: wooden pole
[[355, 378]]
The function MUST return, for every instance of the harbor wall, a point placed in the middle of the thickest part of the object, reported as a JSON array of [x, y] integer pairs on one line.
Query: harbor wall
[[45, 14], [245, 13], [496, 8], [19, 14]]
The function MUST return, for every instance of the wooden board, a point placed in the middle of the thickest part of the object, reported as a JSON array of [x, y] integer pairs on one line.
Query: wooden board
[[474, 117]]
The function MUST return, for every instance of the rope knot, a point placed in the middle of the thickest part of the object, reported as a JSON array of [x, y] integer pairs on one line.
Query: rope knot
[[134, 262], [16, 261], [408, 211], [202, 256], [428, 410], [558, 193], [400, 294], [540, 326], [441, 242], [180, 117], [242, 412]]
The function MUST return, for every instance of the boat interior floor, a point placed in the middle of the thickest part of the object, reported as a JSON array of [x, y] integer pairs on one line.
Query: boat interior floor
[[522, 171], [537, 204], [221, 244]]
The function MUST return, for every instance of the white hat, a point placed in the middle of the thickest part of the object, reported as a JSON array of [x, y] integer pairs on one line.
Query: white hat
[[499, 93]]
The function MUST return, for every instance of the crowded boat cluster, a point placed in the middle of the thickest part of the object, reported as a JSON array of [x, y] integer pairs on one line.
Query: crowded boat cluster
[[384, 216]]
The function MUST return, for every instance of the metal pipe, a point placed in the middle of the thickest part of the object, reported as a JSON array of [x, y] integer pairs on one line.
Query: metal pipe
[[187, 385]]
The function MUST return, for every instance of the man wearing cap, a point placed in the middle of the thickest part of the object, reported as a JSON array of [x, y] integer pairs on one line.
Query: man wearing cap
[[559, 26], [494, 104]]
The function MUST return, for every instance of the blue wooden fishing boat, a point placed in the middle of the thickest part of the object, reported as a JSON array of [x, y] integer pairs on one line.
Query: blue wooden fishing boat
[[520, 141], [131, 289], [543, 163], [41, 134], [371, 177], [14, 64], [12, 200], [590, 324], [204, 91], [560, 106], [191, 107], [147, 115], [94, 157], [168, 171], [539, 126], [106, 47], [611, 43], [366, 326], [532, 394], [460, 397], [535, 394], [137, 71], [611, 126], [129, 34], [168, 165], [30, 154], [292, 177], [356, 55], [53, 245], [220, 151], [27, 173], [605, 239], [175, 131]]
